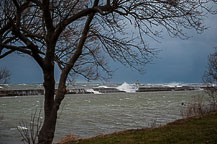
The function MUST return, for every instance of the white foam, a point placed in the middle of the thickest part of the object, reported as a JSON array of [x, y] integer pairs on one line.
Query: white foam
[[23, 84], [93, 91], [103, 87], [12, 129], [173, 84], [1, 87], [213, 85], [22, 128], [129, 88]]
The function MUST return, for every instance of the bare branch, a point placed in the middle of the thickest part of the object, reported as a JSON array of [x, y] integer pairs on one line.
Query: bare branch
[[4, 75]]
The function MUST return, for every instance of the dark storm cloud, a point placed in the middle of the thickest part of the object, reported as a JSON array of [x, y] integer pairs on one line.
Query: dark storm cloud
[[177, 61]]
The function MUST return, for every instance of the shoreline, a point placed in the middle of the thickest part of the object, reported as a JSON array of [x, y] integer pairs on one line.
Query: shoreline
[[176, 131]]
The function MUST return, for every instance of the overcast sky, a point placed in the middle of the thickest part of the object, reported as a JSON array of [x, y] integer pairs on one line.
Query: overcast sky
[[178, 61]]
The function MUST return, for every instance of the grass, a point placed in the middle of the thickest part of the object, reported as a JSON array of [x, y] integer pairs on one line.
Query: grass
[[192, 130]]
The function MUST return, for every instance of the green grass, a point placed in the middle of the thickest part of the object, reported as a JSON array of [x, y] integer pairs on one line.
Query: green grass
[[194, 130]]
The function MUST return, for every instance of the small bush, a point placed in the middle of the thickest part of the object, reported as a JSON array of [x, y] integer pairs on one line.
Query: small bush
[[212, 92], [199, 107], [30, 131]]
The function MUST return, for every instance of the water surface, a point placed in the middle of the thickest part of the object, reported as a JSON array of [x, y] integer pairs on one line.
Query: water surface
[[90, 115]]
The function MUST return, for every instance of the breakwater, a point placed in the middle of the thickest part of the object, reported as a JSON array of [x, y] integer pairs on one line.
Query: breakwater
[[21, 92], [152, 89], [108, 90], [98, 90], [30, 92]]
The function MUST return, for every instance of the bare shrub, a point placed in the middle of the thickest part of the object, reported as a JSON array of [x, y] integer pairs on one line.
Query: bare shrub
[[210, 79], [196, 107], [30, 131], [212, 92], [200, 106], [153, 123]]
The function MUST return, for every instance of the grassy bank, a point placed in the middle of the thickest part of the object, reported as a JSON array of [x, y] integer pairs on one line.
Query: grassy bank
[[197, 130]]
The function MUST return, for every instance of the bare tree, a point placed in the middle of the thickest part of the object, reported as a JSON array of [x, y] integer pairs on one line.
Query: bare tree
[[79, 36], [29, 131], [4, 75], [210, 78]]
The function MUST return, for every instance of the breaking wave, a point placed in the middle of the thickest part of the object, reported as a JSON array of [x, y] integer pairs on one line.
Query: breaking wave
[[129, 88], [93, 91], [174, 84]]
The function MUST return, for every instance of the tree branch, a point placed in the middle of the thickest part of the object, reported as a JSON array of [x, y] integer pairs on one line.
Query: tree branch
[[6, 53], [16, 48], [73, 59], [47, 16], [29, 44], [100, 9]]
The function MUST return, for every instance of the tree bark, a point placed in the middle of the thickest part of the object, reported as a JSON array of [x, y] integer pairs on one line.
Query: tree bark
[[47, 131]]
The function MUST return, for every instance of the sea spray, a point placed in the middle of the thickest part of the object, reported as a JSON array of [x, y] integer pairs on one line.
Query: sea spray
[[93, 91], [173, 84], [129, 88]]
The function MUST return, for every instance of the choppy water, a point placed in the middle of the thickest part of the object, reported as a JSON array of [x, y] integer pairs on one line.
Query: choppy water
[[91, 115]]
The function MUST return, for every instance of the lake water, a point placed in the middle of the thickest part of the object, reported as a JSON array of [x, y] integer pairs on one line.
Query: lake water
[[94, 114]]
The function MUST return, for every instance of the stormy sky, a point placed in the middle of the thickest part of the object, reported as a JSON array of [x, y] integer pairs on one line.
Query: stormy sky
[[178, 60]]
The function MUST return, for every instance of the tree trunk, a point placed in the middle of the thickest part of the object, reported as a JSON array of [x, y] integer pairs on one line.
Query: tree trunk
[[51, 107], [46, 133]]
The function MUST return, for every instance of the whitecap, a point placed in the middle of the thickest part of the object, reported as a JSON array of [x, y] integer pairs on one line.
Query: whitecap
[[103, 86], [93, 91], [22, 128], [7, 85], [23, 84], [173, 84], [12, 129], [87, 101]]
